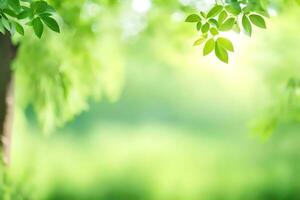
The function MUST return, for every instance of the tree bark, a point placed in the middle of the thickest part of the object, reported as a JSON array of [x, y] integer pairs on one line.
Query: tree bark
[[7, 55]]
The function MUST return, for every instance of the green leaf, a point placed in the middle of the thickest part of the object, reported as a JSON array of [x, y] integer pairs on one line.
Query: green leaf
[[49, 9], [199, 41], [193, 18], [2, 29], [205, 28], [203, 14], [214, 31], [247, 25], [213, 22], [198, 26], [264, 4], [209, 47], [9, 12], [14, 4], [264, 13], [225, 43], [214, 11], [38, 27], [29, 23], [223, 15], [233, 10], [247, 9], [227, 25], [236, 28], [6, 23], [221, 53], [51, 23], [39, 6], [19, 28], [45, 14], [24, 14], [258, 21], [12, 29]]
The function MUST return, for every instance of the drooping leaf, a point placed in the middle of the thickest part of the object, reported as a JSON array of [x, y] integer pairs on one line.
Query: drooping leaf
[[14, 4], [38, 27], [225, 43], [198, 26], [51, 23], [258, 21], [247, 25], [221, 53], [19, 28], [209, 47]]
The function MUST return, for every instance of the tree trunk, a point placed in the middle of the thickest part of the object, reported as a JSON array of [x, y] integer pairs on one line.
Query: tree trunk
[[7, 55]]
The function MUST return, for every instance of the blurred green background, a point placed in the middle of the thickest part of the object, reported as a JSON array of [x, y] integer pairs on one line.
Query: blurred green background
[[172, 125]]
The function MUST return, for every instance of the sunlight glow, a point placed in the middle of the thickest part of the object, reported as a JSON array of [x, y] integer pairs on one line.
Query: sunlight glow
[[141, 6], [272, 12], [199, 5]]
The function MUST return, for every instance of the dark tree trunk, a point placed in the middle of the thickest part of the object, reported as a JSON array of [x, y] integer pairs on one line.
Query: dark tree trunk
[[7, 55]]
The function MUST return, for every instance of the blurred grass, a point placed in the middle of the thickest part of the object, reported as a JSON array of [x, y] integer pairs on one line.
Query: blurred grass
[[156, 161]]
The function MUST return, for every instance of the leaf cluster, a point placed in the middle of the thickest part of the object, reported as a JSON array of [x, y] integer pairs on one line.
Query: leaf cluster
[[16, 14], [232, 15]]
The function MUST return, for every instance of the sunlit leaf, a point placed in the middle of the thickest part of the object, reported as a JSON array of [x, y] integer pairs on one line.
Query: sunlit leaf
[[193, 18], [227, 25], [223, 15], [247, 25], [198, 26], [199, 41], [205, 28], [214, 11], [232, 10], [214, 31], [225, 43], [209, 47], [221, 53], [213, 22], [258, 21]]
